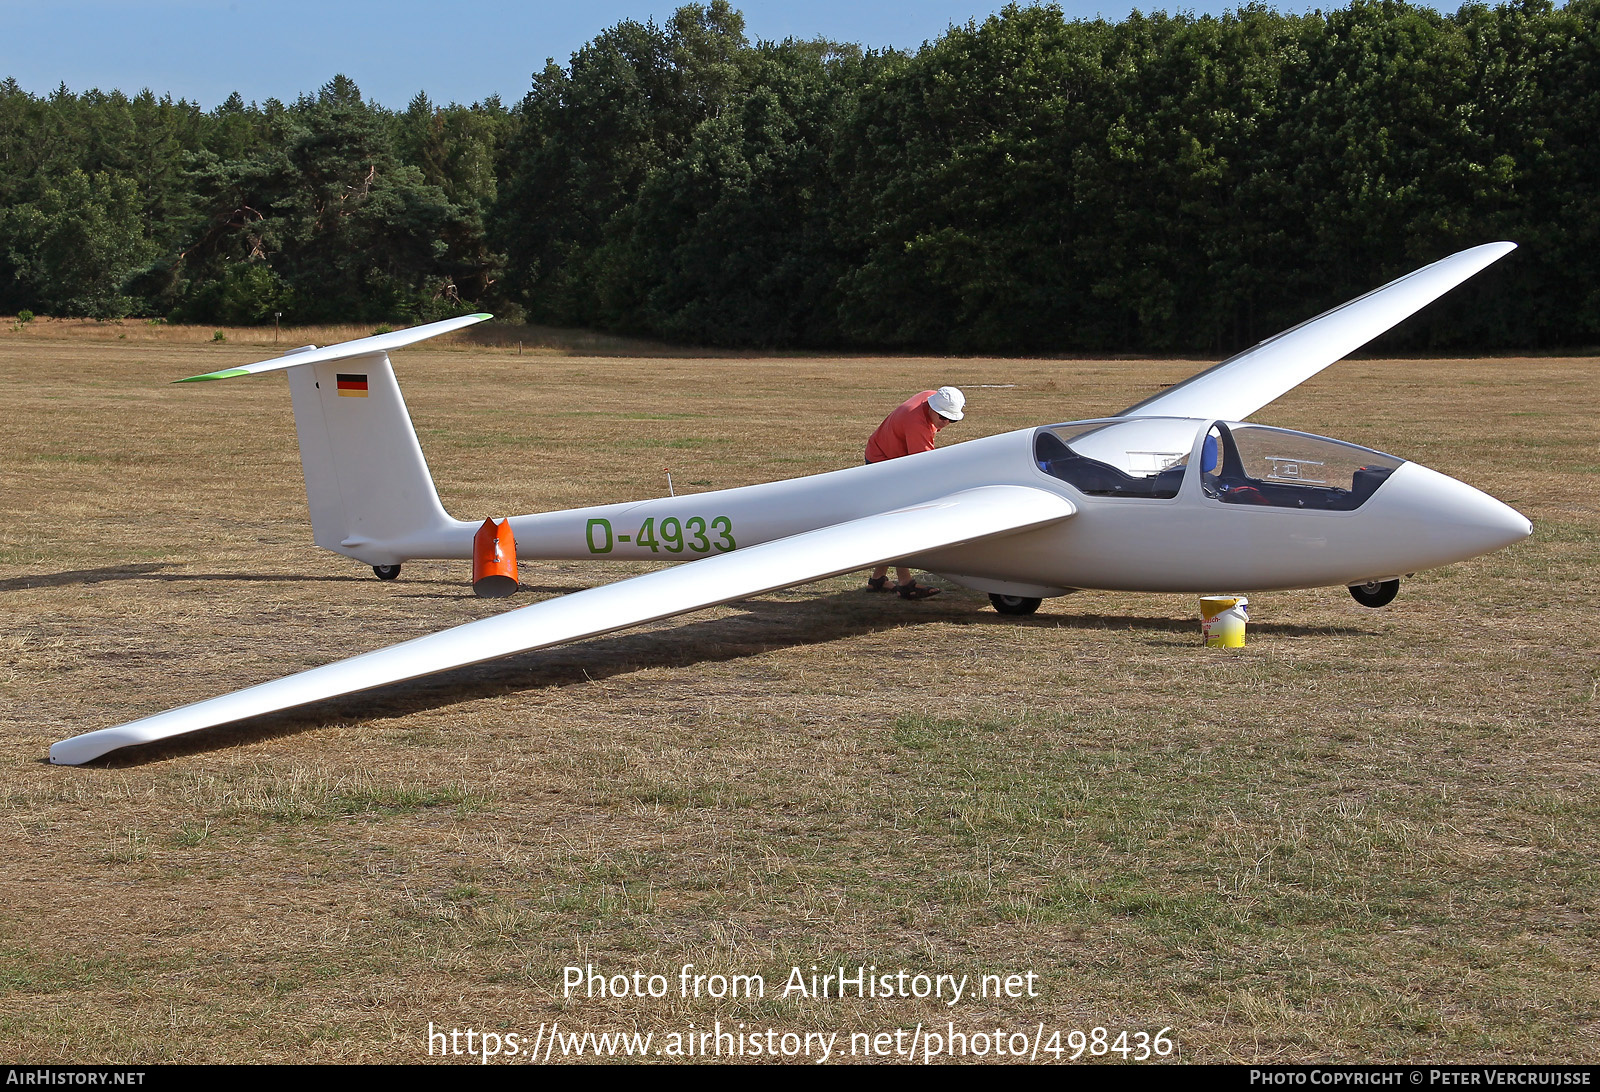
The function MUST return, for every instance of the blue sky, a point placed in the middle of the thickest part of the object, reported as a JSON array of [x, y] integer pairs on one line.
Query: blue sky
[[203, 49]]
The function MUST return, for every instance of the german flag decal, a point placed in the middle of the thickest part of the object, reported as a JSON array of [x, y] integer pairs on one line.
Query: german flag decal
[[352, 386]]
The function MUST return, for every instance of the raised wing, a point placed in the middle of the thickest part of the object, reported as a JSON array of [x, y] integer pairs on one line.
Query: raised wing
[[1249, 380], [972, 514], [366, 346]]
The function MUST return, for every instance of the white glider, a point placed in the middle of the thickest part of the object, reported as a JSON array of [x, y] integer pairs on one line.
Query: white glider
[[1175, 494]]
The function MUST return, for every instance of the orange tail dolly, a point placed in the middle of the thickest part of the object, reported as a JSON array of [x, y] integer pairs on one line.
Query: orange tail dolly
[[494, 560]]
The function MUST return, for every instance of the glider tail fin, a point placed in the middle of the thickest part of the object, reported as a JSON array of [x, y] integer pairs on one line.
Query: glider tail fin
[[367, 484]]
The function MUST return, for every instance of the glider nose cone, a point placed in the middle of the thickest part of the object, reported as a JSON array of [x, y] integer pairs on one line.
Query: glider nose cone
[[1502, 523], [1456, 518]]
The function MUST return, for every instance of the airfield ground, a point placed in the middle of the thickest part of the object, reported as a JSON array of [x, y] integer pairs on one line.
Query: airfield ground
[[1368, 835]]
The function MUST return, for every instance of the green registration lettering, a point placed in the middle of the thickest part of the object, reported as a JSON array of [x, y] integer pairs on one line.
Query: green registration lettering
[[672, 535], [604, 526], [698, 542]]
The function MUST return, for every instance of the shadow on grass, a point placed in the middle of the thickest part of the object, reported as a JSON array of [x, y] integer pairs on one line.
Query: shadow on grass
[[765, 624], [143, 571], [464, 590], [153, 571]]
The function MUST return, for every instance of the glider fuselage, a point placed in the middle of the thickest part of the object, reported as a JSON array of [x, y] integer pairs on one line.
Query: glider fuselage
[[1194, 541]]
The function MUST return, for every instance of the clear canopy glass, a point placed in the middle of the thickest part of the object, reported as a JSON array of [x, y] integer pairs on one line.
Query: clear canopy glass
[[1240, 463], [1122, 457], [1278, 468]]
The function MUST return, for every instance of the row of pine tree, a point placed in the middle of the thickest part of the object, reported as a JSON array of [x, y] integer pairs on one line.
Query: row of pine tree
[[1024, 184]]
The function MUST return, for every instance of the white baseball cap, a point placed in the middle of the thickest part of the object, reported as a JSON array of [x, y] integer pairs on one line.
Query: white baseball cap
[[947, 402]]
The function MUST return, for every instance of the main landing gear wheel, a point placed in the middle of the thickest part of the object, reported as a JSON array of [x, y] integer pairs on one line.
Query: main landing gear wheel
[[386, 572], [1377, 593], [1014, 604]]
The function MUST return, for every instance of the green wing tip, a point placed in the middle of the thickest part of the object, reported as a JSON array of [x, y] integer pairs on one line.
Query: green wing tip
[[481, 315], [227, 374]]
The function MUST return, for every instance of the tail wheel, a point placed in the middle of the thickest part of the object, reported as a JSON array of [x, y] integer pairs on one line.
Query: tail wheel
[[1014, 604], [1375, 593], [386, 572]]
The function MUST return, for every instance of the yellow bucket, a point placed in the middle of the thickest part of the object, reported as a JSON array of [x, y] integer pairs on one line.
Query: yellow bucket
[[1222, 620]]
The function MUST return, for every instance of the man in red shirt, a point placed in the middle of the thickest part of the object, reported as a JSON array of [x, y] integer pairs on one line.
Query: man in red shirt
[[909, 430]]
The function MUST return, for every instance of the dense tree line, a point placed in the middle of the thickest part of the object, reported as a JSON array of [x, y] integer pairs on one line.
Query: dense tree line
[[328, 208], [1024, 184]]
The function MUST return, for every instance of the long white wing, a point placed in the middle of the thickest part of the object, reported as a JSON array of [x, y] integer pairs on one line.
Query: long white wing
[[984, 512], [366, 346], [1249, 380]]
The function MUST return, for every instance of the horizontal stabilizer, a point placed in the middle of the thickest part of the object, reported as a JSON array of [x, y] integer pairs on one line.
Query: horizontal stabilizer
[[366, 346], [1243, 383], [967, 516]]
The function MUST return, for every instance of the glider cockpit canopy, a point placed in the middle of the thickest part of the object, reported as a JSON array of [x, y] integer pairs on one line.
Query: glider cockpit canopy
[[1121, 457], [1240, 463]]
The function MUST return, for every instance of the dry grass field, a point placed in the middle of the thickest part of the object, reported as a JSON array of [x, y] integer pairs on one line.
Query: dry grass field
[[1368, 835]]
